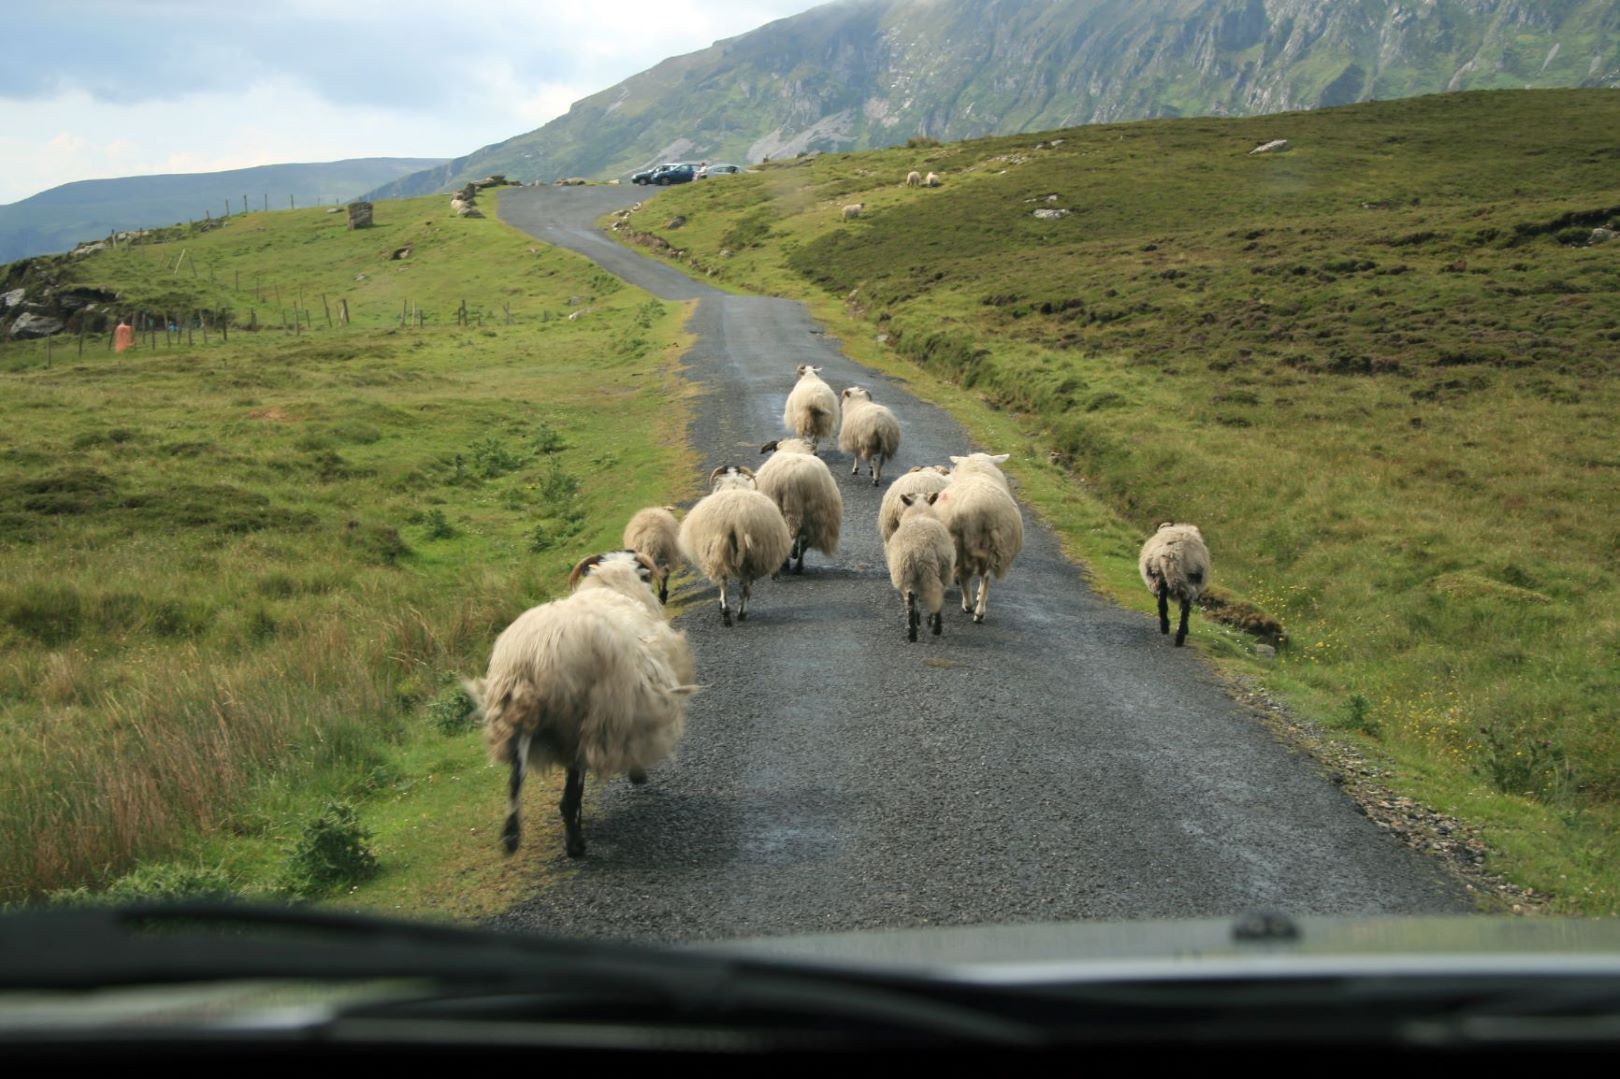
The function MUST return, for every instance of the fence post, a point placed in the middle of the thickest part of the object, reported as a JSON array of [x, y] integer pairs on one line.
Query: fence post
[[328, 309]]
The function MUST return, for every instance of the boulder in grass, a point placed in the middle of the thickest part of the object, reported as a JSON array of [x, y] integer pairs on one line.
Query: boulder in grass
[[30, 326], [1275, 146]]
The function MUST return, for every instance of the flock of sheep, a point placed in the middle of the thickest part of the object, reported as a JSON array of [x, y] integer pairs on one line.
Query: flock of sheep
[[599, 680]]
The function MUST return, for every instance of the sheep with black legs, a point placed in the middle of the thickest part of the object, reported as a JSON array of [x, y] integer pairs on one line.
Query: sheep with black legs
[[597, 681], [803, 488], [1175, 565], [922, 559], [869, 432], [655, 534], [811, 411], [984, 523], [921, 480], [735, 532]]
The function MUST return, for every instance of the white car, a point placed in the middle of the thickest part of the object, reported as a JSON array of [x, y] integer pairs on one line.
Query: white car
[[719, 170]]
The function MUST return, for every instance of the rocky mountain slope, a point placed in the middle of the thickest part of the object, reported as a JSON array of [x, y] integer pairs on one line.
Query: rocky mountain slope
[[869, 73], [56, 219]]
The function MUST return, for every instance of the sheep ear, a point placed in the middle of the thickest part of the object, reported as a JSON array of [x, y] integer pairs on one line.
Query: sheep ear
[[1000, 458], [932, 497], [908, 499], [955, 460], [583, 568], [769, 446]]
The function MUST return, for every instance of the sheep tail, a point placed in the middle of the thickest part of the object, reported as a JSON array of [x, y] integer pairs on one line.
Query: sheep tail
[[508, 705]]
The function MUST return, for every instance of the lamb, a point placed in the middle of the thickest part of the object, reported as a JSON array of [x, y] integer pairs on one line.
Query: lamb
[[853, 210], [812, 408], [922, 559], [932, 180], [921, 480], [596, 681], [914, 178], [869, 432], [655, 534], [735, 532], [1175, 562], [984, 523], [803, 488]]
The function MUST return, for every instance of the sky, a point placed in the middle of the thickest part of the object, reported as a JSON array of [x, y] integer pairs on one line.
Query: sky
[[102, 88]]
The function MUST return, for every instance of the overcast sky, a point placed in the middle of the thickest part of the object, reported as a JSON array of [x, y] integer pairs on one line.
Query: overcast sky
[[97, 88]]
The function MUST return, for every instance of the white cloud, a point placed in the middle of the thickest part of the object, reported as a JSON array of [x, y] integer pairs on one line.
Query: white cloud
[[316, 81]]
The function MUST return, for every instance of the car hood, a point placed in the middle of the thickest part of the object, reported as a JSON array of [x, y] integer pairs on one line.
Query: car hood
[[1066, 951]]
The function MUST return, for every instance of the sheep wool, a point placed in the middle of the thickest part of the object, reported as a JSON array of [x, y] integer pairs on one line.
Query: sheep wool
[[984, 523], [921, 480], [1175, 564], [870, 432], [922, 559], [654, 533], [735, 532], [803, 488], [811, 411]]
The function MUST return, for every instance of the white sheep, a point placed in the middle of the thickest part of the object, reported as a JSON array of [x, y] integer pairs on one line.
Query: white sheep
[[803, 488], [984, 523], [1175, 562], [853, 210], [869, 432], [595, 681], [735, 532], [921, 480], [914, 178], [922, 560], [811, 411], [655, 534], [932, 180]]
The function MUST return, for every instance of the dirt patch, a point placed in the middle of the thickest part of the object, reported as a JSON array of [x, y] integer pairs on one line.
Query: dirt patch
[[271, 415]]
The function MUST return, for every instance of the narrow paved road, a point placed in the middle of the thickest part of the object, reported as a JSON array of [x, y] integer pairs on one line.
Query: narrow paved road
[[1061, 761]]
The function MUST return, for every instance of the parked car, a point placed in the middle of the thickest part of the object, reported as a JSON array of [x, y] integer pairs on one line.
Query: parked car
[[673, 174], [645, 175], [719, 170]]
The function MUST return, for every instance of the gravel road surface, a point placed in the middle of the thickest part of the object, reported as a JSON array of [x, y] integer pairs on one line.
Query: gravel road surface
[[1060, 761]]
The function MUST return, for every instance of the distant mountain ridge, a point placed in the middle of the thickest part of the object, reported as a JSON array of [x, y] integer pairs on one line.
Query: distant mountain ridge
[[56, 219], [868, 73]]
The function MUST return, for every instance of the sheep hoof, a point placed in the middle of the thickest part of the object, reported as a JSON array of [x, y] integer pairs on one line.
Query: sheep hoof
[[637, 776], [937, 623], [725, 618], [911, 633], [978, 619], [509, 840], [575, 848], [799, 568], [742, 616], [875, 483]]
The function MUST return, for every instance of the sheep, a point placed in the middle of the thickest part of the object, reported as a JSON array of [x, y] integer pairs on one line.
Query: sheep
[[984, 523], [811, 411], [869, 432], [914, 178], [921, 480], [922, 560], [933, 180], [803, 488], [655, 534], [853, 210], [1175, 562], [596, 681], [735, 532]]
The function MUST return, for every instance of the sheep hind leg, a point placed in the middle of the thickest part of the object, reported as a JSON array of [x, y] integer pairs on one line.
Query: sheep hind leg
[[800, 546], [742, 606], [512, 832], [964, 581], [725, 609], [1164, 608], [573, 797], [877, 471], [855, 469], [1181, 631], [936, 623], [913, 617], [984, 598]]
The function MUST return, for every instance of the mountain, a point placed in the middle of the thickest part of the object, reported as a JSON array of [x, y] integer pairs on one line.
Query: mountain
[[57, 219], [869, 73]]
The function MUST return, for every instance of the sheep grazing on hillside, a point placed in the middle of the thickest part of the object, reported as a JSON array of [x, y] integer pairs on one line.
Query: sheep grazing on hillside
[[933, 180], [735, 532], [984, 523], [869, 432], [922, 560], [655, 534], [914, 178], [853, 210], [803, 488], [811, 411], [921, 480], [596, 681], [1175, 563]]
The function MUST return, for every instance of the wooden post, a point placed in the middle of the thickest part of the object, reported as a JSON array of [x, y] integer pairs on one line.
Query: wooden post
[[253, 318], [290, 205], [189, 340], [225, 325], [227, 207], [278, 293], [176, 267], [266, 203], [203, 321], [244, 204], [81, 336], [49, 343], [508, 308], [328, 309], [343, 306]]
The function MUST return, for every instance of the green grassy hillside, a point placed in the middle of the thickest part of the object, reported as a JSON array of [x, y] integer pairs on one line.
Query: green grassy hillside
[[1379, 370], [237, 578]]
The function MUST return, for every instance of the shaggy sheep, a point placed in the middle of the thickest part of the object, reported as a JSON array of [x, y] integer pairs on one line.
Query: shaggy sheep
[[922, 558], [655, 534], [983, 465], [596, 681], [933, 180], [853, 210], [1175, 562], [812, 408], [921, 480], [914, 178], [735, 532], [869, 431], [984, 523], [803, 488]]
